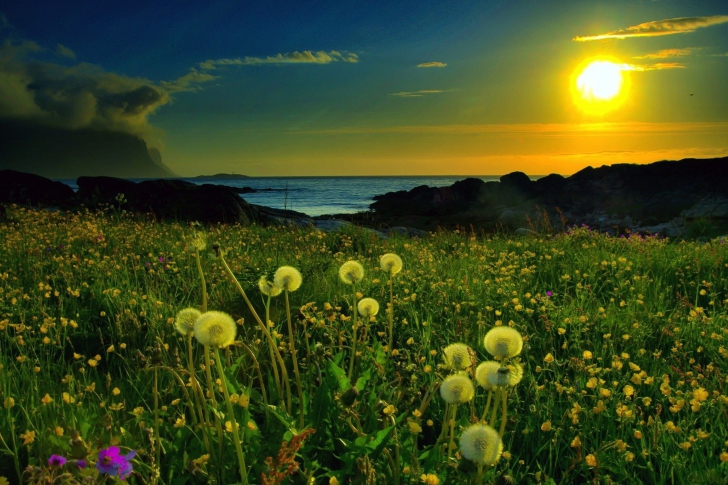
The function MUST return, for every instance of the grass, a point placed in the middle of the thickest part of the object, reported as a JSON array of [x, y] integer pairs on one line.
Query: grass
[[625, 359]]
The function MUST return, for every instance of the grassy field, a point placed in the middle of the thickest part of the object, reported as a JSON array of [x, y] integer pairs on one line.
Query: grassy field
[[624, 356]]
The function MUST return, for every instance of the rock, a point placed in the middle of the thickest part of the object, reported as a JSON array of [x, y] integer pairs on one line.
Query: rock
[[168, 199], [522, 231], [34, 190]]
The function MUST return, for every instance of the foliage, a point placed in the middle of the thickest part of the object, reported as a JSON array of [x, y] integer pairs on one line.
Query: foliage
[[624, 353]]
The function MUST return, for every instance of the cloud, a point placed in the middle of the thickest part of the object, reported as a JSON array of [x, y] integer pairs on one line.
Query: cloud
[[653, 67], [418, 94], [188, 82], [64, 51], [432, 64], [304, 57], [667, 53], [79, 96], [680, 25]]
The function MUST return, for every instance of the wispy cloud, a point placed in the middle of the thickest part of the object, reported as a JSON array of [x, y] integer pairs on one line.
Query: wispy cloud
[[658, 66], [680, 25], [188, 82], [432, 64], [418, 94], [667, 53], [303, 57], [64, 51]]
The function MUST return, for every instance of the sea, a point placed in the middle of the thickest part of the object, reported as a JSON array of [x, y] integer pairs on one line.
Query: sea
[[317, 196]]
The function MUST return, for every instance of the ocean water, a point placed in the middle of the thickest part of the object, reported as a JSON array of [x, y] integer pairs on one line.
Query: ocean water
[[316, 196]]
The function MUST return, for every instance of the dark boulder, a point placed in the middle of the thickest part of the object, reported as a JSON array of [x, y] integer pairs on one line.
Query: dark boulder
[[33, 190]]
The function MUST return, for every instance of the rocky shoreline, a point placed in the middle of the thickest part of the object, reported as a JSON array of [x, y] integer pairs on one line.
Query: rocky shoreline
[[686, 198]]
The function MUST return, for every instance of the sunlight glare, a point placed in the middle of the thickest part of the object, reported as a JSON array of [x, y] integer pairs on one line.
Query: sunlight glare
[[599, 85]]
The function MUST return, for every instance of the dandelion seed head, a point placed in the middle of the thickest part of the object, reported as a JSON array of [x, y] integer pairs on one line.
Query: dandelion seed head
[[481, 444], [457, 356], [268, 288], [483, 373], [368, 307], [185, 320], [457, 388], [391, 263], [287, 278], [215, 329], [351, 272], [503, 342]]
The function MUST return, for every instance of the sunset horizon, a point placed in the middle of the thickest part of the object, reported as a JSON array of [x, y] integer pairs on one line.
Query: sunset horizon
[[287, 89]]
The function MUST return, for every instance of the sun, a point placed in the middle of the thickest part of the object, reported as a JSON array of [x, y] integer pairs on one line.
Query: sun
[[599, 85]]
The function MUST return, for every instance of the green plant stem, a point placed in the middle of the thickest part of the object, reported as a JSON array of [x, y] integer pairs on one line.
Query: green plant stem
[[391, 315], [263, 327], [271, 346], [213, 401], [260, 375], [202, 280], [191, 369], [233, 421], [295, 362], [487, 405], [504, 395], [354, 312], [451, 422], [491, 423], [157, 440]]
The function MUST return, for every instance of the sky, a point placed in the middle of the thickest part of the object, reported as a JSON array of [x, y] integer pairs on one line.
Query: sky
[[316, 88]]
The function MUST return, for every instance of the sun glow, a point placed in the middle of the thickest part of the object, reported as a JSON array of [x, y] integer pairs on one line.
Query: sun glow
[[599, 86]]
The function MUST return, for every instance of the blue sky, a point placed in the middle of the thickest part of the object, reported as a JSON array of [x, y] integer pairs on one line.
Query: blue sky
[[347, 88]]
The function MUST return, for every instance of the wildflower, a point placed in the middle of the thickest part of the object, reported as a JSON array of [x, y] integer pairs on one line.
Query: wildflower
[[391, 263], [587, 355], [483, 373], [185, 320], [215, 329], [112, 463], [429, 479], [368, 307], [414, 427], [481, 444], [591, 460], [351, 272], [457, 388], [56, 460], [549, 358], [268, 288], [576, 442], [287, 278], [28, 437], [389, 410], [457, 356], [198, 242], [546, 426], [503, 342]]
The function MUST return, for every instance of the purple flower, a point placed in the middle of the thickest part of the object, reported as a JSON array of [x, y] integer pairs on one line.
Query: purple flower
[[548, 293], [112, 463], [81, 463], [56, 460]]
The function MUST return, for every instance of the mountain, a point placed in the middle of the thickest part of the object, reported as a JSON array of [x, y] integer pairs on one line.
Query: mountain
[[60, 153]]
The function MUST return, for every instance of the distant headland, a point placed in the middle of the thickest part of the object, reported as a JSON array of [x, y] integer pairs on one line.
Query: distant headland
[[227, 176]]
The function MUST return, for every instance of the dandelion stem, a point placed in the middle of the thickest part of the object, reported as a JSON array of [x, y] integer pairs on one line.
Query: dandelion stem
[[271, 346], [353, 338], [295, 363], [233, 421], [451, 422], [202, 280], [191, 368], [491, 423], [212, 400], [487, 405], [157, 439], [286, 380], [260, 375], [504, 394], [391, 314]]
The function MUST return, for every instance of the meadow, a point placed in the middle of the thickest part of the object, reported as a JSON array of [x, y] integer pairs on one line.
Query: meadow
[[624, 355]]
